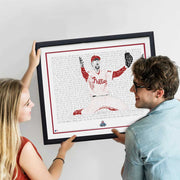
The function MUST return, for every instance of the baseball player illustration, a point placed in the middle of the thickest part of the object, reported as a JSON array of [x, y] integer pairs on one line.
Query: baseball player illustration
[[98, 84]]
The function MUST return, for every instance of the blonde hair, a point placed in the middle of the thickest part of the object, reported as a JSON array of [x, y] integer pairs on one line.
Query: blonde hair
[[10, 92]]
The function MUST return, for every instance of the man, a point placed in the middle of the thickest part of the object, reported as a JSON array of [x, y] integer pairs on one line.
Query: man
[[98, 82], [152, 143]]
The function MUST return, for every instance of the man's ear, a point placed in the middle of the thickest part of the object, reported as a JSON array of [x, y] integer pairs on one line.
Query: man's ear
[[159, 93]]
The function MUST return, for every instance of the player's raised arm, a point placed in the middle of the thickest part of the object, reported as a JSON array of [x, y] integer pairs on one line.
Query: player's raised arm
[[83, 71], [128, 59], [81, 62], [128, 62]]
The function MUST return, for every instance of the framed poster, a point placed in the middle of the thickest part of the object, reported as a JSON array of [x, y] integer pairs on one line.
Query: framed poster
[[84, 85]]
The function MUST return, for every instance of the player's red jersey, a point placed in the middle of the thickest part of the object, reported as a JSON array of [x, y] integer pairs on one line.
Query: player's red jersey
[[98, 81]]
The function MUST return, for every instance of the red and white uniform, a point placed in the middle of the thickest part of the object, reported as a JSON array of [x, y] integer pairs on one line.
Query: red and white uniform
[[98, 81], [98, 84]]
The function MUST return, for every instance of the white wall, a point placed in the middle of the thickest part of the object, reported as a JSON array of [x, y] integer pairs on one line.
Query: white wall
[[21, 22]]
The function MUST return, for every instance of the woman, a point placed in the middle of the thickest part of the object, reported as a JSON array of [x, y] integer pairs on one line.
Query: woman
[[19, 159]]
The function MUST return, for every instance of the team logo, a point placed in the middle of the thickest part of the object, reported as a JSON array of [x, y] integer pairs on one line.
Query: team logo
[[103, 124]]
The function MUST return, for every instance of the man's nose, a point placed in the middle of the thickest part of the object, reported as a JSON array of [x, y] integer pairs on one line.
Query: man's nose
[[132, 89]]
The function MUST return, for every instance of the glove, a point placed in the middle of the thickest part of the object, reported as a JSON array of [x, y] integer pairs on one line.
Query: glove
[[128, 59]]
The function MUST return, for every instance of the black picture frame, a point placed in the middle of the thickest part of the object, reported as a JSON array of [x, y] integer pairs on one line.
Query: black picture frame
[[81, 42]]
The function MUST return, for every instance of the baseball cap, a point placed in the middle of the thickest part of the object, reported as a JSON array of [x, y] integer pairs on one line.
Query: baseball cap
[[93, 58]]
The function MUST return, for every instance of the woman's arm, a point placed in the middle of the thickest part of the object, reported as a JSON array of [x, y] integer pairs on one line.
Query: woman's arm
[[56, 167], [34, 59], [34, 167]]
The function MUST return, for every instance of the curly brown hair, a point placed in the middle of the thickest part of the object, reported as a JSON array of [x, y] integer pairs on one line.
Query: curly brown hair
[[157, 72]]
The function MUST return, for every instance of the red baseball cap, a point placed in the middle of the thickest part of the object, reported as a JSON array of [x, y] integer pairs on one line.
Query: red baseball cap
[[93, 58]]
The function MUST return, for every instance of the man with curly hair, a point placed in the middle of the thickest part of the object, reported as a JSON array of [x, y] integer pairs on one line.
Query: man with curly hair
[[152, 143]]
